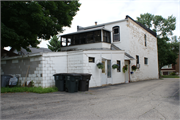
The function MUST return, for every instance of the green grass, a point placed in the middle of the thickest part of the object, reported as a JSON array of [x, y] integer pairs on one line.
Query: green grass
[[170, 76], [28, 89]]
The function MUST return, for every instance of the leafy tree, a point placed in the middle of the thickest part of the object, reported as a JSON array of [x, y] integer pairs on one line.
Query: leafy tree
[[55, 45], [167, 48], [22, 23]]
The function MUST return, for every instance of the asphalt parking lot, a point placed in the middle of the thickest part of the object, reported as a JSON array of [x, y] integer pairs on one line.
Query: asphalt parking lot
[[151, 100]]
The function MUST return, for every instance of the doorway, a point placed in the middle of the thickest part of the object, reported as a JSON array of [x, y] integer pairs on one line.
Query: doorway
[[106, 72], [127, 73]]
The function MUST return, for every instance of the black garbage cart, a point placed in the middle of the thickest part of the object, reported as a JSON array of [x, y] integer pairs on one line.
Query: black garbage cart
[[60, 81], [72, 82], [5, 80], [84, 82]]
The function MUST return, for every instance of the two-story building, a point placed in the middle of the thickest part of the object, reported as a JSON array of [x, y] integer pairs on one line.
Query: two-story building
[[123, 42]]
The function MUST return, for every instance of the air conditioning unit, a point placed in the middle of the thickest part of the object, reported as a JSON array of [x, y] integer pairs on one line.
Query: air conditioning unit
[[138, 66]]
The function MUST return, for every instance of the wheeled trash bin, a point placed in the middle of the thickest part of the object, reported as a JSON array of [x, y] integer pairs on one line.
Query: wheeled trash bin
[[5, 80], [72, 81], [84, 82], [60, 81]]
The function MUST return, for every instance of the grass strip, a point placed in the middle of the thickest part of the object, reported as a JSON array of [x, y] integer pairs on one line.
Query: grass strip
[[28, 89], [170, 76]]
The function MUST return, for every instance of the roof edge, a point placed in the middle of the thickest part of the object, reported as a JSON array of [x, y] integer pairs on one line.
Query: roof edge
[[147, 29]]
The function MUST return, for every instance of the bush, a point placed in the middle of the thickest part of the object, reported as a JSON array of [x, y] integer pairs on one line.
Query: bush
[[173, 73]]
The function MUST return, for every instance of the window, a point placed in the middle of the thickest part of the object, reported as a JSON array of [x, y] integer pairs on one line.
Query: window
[[103, 70], [145, 41], [91, 59], [167, 66], [97, 36], [137, 62], [90, 37], [83, 38], [63, 43], [116, 33], [119, 68], [146, 61], [106, 36], [137, 59], [109, 68]]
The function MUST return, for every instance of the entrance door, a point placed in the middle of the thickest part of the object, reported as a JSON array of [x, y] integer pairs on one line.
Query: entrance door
[[104, 73], [109, 72], [127, 72]]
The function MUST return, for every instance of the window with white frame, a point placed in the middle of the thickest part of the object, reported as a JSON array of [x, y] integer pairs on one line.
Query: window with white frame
[[116, 33], [145, 61]]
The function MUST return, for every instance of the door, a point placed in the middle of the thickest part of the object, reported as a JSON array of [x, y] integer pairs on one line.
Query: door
[[104, 73], [127, 72], [109, 72]]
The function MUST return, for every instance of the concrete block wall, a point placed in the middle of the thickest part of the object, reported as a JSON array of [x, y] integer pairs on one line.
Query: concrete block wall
[[53, 63], [19, 66]]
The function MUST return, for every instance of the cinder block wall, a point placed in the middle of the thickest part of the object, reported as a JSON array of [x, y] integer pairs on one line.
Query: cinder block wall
[[20, 66]]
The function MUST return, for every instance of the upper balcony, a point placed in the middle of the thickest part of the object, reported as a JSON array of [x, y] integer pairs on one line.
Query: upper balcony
[[86, 39]]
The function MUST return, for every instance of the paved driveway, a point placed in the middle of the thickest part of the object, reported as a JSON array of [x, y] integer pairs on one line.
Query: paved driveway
[[152, 99]]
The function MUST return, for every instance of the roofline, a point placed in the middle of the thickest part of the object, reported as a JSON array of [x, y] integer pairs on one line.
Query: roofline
[[100, 25], [20, 57], [145, 28]]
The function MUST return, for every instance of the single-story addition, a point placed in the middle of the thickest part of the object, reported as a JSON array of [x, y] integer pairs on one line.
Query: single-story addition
[[123, 42]]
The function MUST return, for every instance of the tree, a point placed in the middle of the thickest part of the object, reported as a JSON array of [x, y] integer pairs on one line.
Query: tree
[[167, 49], [22, 23], [55, 45]]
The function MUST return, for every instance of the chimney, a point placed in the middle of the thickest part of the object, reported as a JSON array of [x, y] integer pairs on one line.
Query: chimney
[[95, 22]]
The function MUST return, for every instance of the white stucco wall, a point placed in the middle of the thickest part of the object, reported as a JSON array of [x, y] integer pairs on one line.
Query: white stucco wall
[[137, 47], [88, 46]]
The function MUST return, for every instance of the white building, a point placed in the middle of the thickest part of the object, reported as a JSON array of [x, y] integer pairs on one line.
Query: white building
[[123, 42]]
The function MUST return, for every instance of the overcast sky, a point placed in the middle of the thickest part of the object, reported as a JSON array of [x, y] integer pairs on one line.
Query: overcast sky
[[104, 11]]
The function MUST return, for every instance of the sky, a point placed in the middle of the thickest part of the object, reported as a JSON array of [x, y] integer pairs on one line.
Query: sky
[[104, 11]]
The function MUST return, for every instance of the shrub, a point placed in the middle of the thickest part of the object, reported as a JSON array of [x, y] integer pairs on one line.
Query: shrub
[[173, 73]]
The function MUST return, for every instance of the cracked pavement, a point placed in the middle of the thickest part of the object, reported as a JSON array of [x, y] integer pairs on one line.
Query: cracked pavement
[[143, 100]]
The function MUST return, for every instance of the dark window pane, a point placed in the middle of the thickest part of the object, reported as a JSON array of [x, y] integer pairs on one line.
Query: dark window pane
[[97, 35], [106, 36], [116, 30], [91, 59], [146, 61], [116, 33], [119, 68], [137, 59], [83, 38], [90, 37]]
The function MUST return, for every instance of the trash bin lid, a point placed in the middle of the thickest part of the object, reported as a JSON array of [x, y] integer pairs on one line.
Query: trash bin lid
[[57, 74]]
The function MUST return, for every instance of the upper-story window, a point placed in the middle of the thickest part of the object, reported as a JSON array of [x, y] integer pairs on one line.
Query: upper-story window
[[145, 40], [116, 33]]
